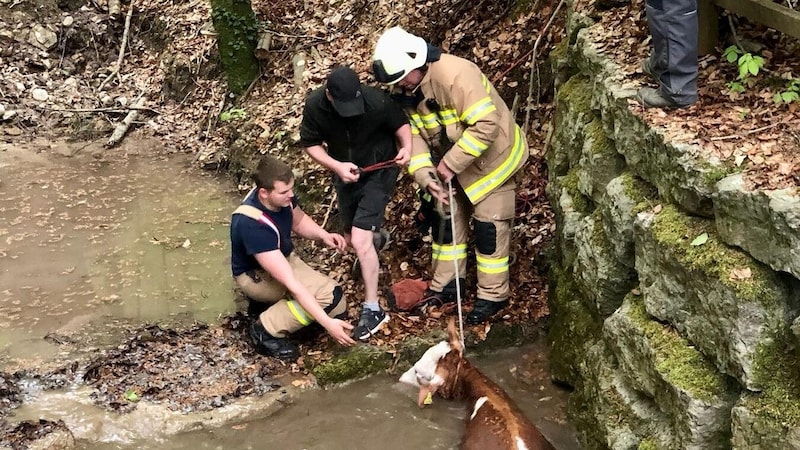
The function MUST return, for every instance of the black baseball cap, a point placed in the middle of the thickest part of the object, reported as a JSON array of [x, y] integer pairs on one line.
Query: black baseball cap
[[345, 88]]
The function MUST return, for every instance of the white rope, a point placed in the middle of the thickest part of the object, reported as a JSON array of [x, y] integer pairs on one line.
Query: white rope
[[455, 261]]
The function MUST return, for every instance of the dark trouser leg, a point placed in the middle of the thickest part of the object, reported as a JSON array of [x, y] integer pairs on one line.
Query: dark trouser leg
[[673, 25]]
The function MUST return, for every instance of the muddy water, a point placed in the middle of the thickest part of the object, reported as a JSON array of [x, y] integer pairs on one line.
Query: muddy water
[[379, 413], [93, 238]]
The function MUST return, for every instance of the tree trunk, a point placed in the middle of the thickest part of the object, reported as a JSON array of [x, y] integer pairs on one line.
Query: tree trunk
[[237, 34]]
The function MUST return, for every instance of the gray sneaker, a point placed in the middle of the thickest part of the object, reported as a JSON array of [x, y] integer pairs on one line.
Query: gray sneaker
[[654, 98], [647, 68], [369, 323]]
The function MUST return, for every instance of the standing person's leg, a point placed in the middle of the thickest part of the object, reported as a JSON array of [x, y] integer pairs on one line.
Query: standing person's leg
[[362, 242], [492, 222], [674, 30], [368, 206]]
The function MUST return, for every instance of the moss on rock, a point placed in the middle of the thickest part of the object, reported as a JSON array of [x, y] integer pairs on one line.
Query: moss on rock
[[779, 372], [580, 202], [601, 144], [677, 230], [682, 364], [358, 362], [577, 93], [648, 444], [572, 326]]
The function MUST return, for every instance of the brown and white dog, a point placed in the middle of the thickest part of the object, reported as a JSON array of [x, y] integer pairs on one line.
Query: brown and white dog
[[494, 422]]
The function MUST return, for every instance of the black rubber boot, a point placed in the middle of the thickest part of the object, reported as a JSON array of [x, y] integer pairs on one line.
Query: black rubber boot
[[269, 345], [254, 308], [484, 310]]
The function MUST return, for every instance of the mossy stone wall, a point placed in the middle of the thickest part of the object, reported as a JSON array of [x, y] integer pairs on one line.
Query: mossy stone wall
[[670, 319]]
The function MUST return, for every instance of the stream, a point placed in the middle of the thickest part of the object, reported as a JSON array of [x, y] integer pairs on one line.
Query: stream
[[94, 241]]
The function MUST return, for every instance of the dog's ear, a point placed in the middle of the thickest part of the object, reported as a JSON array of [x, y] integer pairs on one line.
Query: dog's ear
[[453, 337]]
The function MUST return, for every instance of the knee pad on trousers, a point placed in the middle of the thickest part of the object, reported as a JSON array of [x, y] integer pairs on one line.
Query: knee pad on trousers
[[338, 293], [485, 237], [441, 230]]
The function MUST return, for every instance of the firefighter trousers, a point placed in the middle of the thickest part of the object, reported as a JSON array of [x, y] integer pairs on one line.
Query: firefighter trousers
[[492, 221], [286, 316]]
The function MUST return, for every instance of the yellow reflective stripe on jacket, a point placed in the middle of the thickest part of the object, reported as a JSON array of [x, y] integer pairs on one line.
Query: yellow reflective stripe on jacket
[[471, 145], [299, 313], [416, 123], [448, 252], [492, 265], [486, 84], [430, 121], [448, 116], [479, 109], [502, 173], [419, 161]]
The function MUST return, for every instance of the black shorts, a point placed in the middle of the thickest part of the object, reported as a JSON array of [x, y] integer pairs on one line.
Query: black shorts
[[363, 204]]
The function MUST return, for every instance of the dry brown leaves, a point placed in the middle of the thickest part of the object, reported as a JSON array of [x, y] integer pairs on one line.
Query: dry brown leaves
[[749, 131]]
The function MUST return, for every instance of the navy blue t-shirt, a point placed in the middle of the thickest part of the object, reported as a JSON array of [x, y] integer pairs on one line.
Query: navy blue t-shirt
[[250, 237]]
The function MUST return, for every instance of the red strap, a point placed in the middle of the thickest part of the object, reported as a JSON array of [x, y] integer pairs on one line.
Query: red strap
[[378, 166]]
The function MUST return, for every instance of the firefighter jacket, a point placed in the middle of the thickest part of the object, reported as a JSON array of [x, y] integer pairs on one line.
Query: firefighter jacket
[[462, 120]]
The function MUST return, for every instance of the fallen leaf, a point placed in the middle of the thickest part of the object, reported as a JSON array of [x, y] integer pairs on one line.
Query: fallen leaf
[[740, 273], [700, 240]]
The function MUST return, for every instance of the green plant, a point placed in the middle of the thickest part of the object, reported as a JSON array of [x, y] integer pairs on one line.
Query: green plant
[[748, 64], [233, 113], [790, 94]]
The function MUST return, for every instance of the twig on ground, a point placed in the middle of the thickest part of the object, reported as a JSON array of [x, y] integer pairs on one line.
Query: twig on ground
[[328, 210], [122, 46], [733, 33], [535, 67], [746, 133], [100, 110], [122, 128]]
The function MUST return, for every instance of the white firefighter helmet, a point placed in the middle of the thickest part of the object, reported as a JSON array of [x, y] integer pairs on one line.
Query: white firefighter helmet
[[397, 53]]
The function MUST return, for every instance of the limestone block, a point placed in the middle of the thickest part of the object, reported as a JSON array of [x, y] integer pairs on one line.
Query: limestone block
[[573, 326], [625, 196], [602, 278], [678, 171], [572, 113], [752, 429], [607, 413], [764, 223], [718, 297], [569, 208], [694, 396], [599, 161]]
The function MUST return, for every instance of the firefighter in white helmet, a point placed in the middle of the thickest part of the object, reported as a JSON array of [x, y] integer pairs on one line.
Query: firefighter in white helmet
[[462, 131]]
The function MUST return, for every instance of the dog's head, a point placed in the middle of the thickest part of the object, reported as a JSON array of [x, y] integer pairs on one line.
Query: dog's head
[[438, 369]]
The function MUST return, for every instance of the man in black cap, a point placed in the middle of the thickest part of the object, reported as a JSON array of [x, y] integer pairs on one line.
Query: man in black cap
[[348, 127]]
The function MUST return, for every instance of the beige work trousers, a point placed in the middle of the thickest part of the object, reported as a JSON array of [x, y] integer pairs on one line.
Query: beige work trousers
[[286, 316], [496, 208]]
